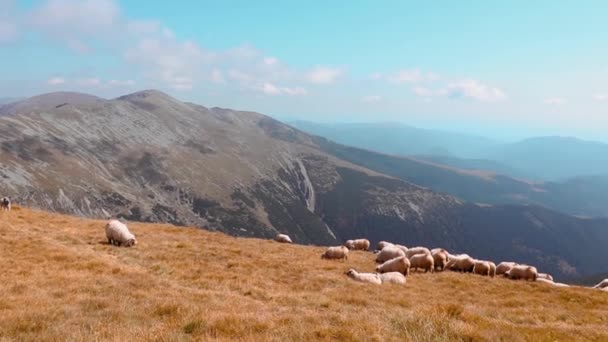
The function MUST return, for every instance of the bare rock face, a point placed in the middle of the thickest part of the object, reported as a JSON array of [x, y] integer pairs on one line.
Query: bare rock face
[[149, 157]]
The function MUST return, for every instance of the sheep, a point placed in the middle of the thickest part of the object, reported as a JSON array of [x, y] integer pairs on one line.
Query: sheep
[[492, 269], [392, 277], [522, 272], [481, 267], [337, 252], [358, 244], [440, 258], [504, 267], [403, 248], [400, 264], [118, 234], [460, 263], [388, 253], [424, 261], [545, 281], [283, 238], [545, 276], [417, 250], [372, 278], [383, 244], [562, 285], [602, 284], [5, 204]]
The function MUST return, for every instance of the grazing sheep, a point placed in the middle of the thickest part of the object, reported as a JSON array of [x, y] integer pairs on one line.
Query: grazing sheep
[[424, 261], [522, 272], [358, 244], [283, 238], [372, 278], [492, 269], [416, 250], [545, 281], [118, 234], [460, 263], [383, 244], [440, 258], [481, 267], [545, 276], [392, 277], [504, 267], [5, 204], [389, 252], [602, 284], [400, 264], [403, 248], [337, 252]]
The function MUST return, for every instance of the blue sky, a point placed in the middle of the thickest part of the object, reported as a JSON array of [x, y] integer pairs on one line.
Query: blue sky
[[503, 69]]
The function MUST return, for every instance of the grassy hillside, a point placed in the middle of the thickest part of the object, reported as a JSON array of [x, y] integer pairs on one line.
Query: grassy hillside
[[61, 280]]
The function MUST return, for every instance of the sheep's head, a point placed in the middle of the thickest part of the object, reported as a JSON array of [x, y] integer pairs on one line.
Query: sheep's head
[[131, 242], [350, 272]]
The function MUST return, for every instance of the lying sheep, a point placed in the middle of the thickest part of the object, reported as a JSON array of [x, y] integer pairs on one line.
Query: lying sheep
[[358, 244], [424, 261], [118, 234], [372, 278], [544, 276], [602, 284], [545, 281], [561, 285], [283, 238], [383, 244], [492, 269], [393, 278], [337, 252], [460, 263], [400, 264], [440, 258], [416, 250], [5, 204], [481, 267], [522, 272], [389, 252], [504, 267]]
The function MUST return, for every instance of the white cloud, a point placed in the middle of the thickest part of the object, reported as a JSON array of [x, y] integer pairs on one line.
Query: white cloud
[[270, 61], [473, 89], [375, 76], [371, 98], [271, 89], [55, 81], [422, 91], [554, 101], [217, 76], [8, 31], [324, 75], [119, 83], [413, 76], [600, 97], [89, 82]]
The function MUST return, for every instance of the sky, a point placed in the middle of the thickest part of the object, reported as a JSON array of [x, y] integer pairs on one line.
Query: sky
[[506, 70]]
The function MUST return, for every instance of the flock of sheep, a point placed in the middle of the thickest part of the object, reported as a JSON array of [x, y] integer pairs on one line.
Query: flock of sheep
[[396, 261]]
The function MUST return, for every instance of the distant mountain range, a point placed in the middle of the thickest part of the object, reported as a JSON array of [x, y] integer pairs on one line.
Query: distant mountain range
[[538, 159], [149, 157]]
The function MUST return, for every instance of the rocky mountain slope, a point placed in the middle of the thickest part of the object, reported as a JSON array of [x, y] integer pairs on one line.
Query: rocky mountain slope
[[149, 157]]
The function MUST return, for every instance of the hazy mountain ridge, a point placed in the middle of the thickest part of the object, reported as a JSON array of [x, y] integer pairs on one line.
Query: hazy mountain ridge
[[150, 157]]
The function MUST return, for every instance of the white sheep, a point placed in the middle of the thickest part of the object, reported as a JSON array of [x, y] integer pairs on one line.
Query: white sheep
[[424, 261], [492, 269], [440, 258], [522, 272], [400, 264], [283, 238], [372, 278], [545, 276], [383, 244], [118, 234], [388, 253], [602, 284], [393, 278], [403, 248], [416, 250], [460, 263], [337, 252], [5, 204], [504, 267], [358, 244], [481, 267]]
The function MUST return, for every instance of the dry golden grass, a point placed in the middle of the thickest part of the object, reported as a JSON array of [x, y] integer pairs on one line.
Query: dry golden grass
[[60, 280]]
